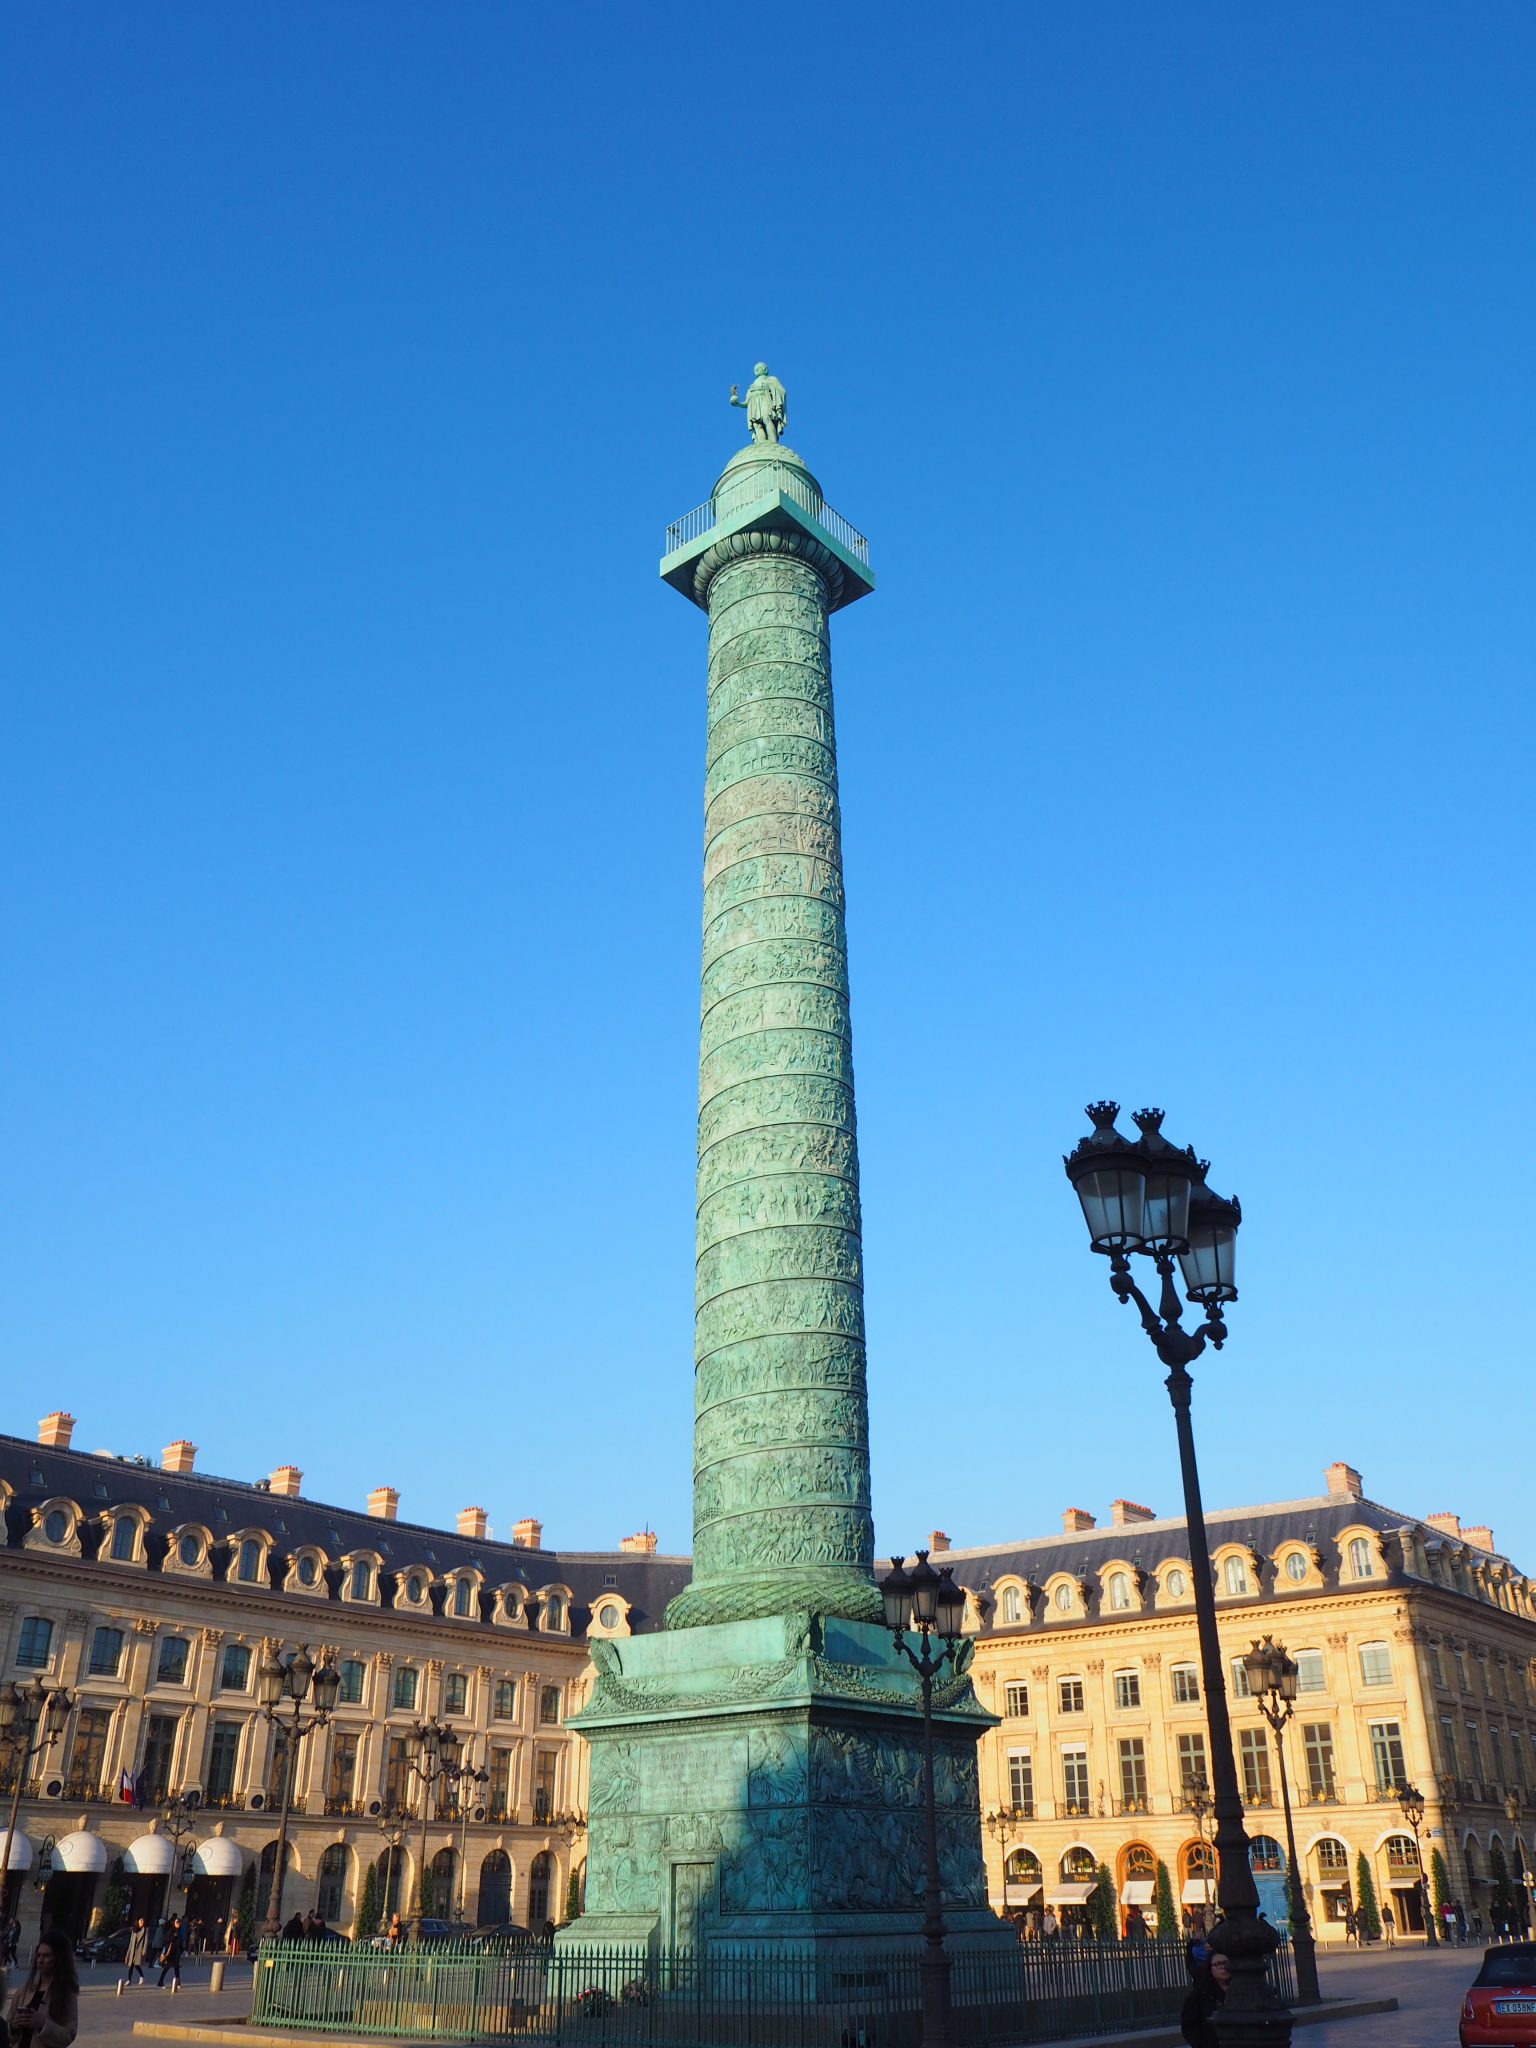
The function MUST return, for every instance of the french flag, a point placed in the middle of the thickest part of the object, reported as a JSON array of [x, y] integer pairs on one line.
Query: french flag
[[127, 1788]]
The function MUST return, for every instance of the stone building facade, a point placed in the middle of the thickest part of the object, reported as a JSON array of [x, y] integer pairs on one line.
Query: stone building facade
[[154, 1593], [1416, 1643]]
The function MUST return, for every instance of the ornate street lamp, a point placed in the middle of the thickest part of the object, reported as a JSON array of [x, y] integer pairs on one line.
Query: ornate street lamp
[[467, 1780], [390, 1826], [285, 1683], [1411, 1800], [1272, 1680], [1002, 1827], [1143, 1197], [931, 1604], [432, 1752], [32, 1718], [1512, 1808], [1197, 1799], [178, 1823]]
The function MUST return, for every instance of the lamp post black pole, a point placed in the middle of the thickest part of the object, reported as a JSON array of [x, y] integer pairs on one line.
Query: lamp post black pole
[[32, 1719], [467, 1781], [1272, 1680], [1411, 1800], [930, 1603], [1000, 1825], [285, 1685], [433, 1753], [394, 1834], [1146, 1197], [179, 1823]]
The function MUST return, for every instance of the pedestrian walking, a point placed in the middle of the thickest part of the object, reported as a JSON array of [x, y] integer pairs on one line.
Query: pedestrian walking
[[45, 2013], [232, 1938], [1388, 1927], [170, 1956], [1351, 1926], [137, 1951]]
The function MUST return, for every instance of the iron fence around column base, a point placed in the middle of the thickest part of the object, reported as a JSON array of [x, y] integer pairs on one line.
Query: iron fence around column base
[[719, 1998]]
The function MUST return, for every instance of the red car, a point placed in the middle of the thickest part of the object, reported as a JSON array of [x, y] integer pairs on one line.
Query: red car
[[1499, 2009]]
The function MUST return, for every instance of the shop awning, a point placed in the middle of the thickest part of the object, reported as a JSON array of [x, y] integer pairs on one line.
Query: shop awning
[[82, 1853], [1020, 1891], [218, 1858], [1137, 1891], [1197, 1890], [20, 1857], [150, 1856], [1069, 1894]]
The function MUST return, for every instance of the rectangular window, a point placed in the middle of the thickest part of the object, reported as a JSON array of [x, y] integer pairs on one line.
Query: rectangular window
[[545, 1764], [1186, 1684], [1517, 1757], [88, 1753], [1192, 1769], [1070, 1695], [1497, 1739], [234, 1668], [1016, 1701], [501, 1784], [1133, 1774], [504, 1700], [463, 1598], [1448, 1754], [549, 1707], [1317, 1740], [341, 1779], [1459, 1657], [223, 1761], [1387, 1755], [124, 1530], [36, 1641], [1375, 1664], [1021, 1781], [1482, 1658], [1436, 1664], [106, 1653], [455, 1693], [1127, 1689], [1253, 1755], [1310, 1676], [405, 1689], [351, 1694], [171, 1669], [1241, 1690], [1475, 1750], [1074, 1780], [159, 1750], [398, 1782]]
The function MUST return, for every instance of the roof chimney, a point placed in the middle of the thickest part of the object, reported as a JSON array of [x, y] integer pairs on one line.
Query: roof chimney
[[178, 1457], [642, 1544], [1124, 1512], [1448, 1525], [528, 1534], [1343, 1482], [1074, 1520], [384, 1503], [472, 1524], [938, 1542], [55, 1430], [1480, 1535], [287, 1480]]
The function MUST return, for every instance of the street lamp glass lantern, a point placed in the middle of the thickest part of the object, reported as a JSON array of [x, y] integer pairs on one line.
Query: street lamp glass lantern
[[951, 1604], [1114, 1201], [273, 1682], [327, 1688], [1259, 1669], [448, 1742], [1290, 1677], [301, 1671], [1209, 1264], [56, 1712], [924, 1581], [896, 1592]]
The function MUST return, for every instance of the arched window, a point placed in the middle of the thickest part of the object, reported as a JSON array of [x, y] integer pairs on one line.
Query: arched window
[[1264, 1853], [442, 1885], [1024, 1867], [1200, 1861], [331, 1897], [269, 1864], [171, 1669], [1119, 1590], [495, 1904], [1140, 1863], [1236, 1575], [554, 1612], [1013, 1605], [1078, 1866], [1332, 1854], [540, 1874], [1400, 1853], [390, 1880], [35, 1648], [405, 1688], [250, 1561], [124, 1532], [463, 1597], [362, 1579], [1360, 1566]]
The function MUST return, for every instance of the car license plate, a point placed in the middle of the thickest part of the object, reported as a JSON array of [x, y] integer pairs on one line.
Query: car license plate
[[1512, 2005]]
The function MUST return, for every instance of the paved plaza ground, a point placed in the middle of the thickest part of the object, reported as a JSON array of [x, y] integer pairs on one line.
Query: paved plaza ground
[[1427, 1985]]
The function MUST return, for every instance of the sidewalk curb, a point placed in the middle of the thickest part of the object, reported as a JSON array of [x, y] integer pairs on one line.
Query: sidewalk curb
[[1170, 2037]]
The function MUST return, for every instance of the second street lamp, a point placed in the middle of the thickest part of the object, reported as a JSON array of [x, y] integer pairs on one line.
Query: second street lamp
[[1272, 1681], [432, 1753], [931, 1604], [32, 1718], [286, 1684], [1411, 1800], [1143, 1197]]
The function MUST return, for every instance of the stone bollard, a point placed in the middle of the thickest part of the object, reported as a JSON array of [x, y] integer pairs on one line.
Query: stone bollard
[[216, 1980]]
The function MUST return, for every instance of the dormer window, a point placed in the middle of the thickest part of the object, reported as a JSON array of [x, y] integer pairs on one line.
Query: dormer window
[[1119, 1591], [1013, 1606], [362, 1579], [1063, 1598], [56, 1525], [307, 1571], [1360, 1566], [249, 1569], [1295, 1566], [415, 1589], [463, 1598], [1235, 1575], [124, 1539], [189, 1549]]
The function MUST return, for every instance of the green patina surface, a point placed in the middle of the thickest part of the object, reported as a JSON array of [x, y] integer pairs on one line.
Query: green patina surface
[[756, 1769]]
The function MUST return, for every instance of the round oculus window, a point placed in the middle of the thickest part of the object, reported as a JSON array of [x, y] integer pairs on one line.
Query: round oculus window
[[308, 1571], [1295, 1566], [1176, 1585], [56, 1525], [608, 1616], [189, 1550], [414, 1588], [1063, 1597]]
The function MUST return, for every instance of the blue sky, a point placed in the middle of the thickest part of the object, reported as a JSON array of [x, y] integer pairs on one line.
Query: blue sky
[[1177, 362]]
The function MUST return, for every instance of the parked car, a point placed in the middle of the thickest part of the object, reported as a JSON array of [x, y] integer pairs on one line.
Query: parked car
[[431, 1931], [105, 1948], [1500, 2006], [504, 1935]]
